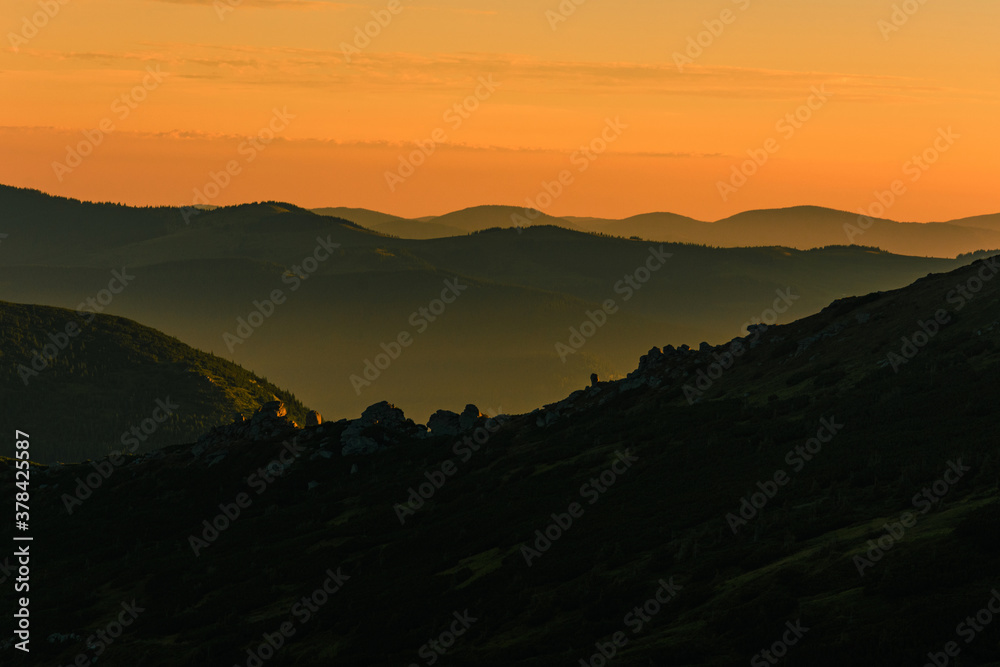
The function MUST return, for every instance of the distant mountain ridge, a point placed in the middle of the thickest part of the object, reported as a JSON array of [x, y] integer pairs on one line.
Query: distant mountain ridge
[[800, 227]]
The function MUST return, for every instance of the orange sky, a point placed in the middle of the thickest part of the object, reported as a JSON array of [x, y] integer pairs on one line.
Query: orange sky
[[225, 66]]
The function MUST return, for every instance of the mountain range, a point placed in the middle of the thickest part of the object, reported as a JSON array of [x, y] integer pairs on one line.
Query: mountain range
[[801, 227], [507, 318]]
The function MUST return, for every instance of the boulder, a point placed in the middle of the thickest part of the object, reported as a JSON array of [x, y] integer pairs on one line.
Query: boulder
[[313, 419], [270, 410], [380, 424], [650, 359], [470, 415], [444, 422]]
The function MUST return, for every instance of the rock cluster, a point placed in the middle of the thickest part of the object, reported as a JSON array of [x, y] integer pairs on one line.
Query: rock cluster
[[269, 421], [448, 423], [380, 425]]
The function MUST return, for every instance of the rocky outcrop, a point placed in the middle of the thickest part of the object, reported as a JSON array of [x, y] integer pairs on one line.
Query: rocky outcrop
[[269, 421], [270, 410], [380, 425], [448, 423], [469, 417], [444, 422], [313, 419]]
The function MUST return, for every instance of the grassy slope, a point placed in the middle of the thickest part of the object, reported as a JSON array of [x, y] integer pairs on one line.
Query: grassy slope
[[108, 379]]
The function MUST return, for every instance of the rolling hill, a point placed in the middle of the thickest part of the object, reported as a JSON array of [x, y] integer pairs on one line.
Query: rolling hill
[[800, 227], [82, 383]]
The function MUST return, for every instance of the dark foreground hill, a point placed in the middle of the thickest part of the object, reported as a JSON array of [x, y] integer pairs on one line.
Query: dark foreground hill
[[83, 384], [818, 493]]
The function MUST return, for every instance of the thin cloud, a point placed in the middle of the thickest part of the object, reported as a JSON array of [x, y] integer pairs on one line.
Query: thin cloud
[[302, 5]]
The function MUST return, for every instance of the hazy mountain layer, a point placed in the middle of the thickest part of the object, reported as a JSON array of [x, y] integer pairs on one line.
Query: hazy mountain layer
[[535, 311], [801, 227]]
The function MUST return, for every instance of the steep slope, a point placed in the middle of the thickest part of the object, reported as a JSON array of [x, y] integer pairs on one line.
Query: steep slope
[[813, 502], [84, 382]]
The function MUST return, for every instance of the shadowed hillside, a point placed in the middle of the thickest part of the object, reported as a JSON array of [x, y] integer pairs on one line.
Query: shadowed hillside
[[87, 384], [827, 487]]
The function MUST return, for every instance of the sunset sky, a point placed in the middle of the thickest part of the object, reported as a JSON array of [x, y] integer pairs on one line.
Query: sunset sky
[[226, 66]]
